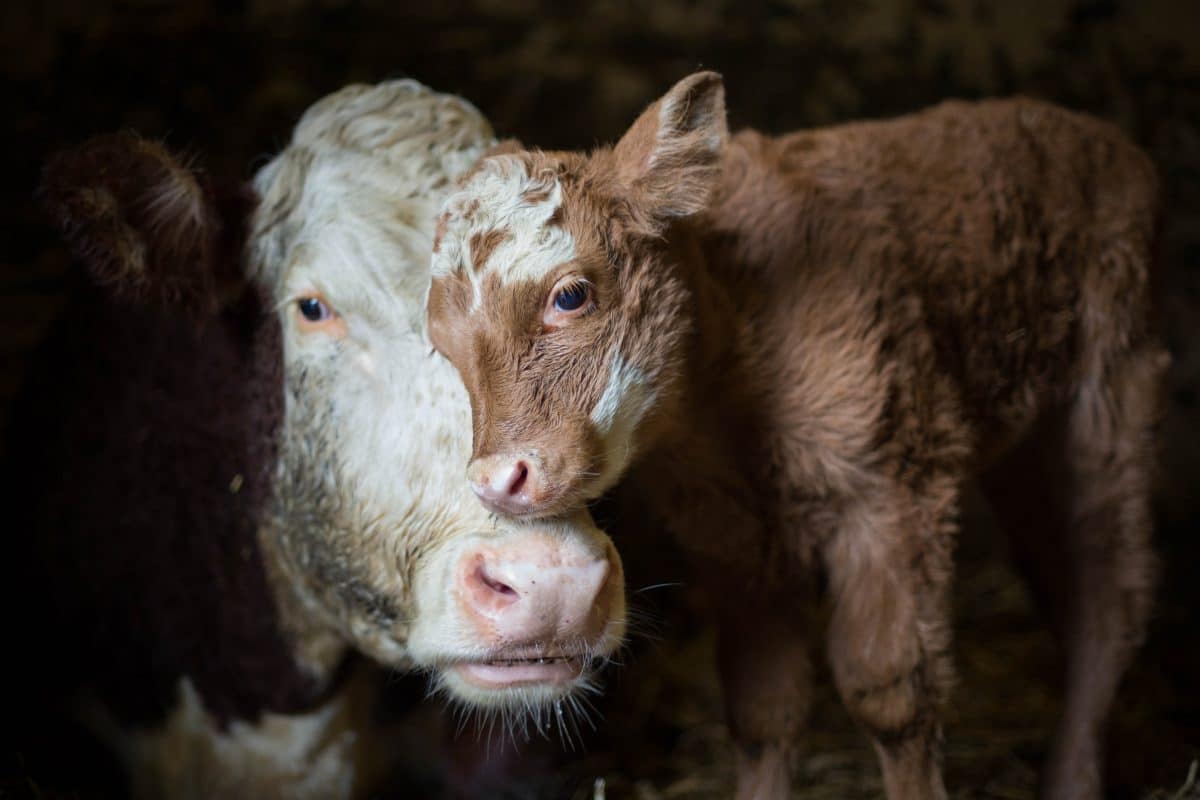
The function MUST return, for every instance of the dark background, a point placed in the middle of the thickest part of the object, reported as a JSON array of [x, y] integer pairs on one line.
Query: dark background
[[225, 82]]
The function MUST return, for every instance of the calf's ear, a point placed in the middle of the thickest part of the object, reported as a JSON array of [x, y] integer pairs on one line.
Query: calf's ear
[[147, 226], [670, 158]]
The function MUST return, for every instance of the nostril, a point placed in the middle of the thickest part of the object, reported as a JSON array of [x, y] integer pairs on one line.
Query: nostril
[[496, 586], [520, 474]]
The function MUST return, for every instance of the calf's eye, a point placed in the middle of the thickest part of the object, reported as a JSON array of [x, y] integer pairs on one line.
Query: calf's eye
[[314, 310], [571, 298]]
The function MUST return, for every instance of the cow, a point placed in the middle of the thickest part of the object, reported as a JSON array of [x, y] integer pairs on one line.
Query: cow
[[795, 351], [239, 460]]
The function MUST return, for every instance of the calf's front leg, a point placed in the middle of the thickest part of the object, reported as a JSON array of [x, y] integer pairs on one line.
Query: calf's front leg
[[889, 574], [766, 677]]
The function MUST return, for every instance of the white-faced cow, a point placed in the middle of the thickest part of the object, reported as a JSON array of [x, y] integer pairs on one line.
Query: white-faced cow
[[241, 460], [798, 349]]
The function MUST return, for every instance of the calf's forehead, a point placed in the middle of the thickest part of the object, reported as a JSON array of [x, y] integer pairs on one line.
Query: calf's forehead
[[505, 224]]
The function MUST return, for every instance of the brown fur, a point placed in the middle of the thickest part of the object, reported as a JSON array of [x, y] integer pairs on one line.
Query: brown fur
[[497, 418], [145, 221], [483, 245], [842, 327]]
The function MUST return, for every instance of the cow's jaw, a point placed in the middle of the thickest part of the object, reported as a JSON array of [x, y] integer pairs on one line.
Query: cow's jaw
[[552, 616]]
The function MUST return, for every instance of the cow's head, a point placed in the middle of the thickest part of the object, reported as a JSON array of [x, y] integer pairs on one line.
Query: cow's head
[[556, 295], [369, 535]]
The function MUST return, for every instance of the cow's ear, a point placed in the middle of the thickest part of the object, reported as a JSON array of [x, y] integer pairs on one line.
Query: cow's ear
[[670, 158], [148, 226]]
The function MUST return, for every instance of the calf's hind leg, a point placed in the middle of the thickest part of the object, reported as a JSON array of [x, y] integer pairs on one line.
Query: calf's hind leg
[[1108, 460], [889, 575], [1074, 498]]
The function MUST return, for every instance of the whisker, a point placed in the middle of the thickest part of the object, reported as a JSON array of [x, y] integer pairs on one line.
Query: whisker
[[653, 586], [642, 625], [487, 748], [581, 711], [510, 729], [590, 707], [572, 720], [463, 713], [562, 736]]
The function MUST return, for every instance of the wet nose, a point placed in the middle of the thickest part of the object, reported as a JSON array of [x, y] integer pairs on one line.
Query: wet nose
[[506, 484], [531, 591]]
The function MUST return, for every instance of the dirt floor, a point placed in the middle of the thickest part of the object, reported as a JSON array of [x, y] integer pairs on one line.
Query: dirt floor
[[226, 81]]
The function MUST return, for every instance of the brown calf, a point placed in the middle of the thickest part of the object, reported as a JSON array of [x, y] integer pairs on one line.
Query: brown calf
[[798, 349]]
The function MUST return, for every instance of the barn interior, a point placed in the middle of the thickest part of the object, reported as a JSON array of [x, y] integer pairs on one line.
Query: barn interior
[[225, 81]]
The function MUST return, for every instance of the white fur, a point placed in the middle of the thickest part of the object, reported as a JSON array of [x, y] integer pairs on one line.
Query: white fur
[[348, 211], [309, 755], [627, 397], [492, 200]]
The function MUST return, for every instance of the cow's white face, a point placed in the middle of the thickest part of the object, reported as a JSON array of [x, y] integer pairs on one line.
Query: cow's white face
[[373, 528]]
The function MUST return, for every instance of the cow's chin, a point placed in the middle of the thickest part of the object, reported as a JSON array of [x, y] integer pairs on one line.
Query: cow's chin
[[541, 685], [516, 683]]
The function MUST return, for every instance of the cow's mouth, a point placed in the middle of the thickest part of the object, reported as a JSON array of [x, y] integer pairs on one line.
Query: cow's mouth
[[505, 672]]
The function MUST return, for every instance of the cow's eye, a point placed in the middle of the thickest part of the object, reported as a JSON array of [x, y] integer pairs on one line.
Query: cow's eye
[[314, 310], [572, 298], [315, 315]]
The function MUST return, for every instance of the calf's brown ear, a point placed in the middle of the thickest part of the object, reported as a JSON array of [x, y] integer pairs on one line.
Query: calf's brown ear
[[147, 226], [670, 158]]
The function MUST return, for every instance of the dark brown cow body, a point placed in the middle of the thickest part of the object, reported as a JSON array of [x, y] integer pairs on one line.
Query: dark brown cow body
[[799, 349], [141, 456], [127, 405]]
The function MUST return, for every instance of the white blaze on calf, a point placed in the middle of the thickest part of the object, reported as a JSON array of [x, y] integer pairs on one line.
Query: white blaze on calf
[[627, 397], [502, 196]]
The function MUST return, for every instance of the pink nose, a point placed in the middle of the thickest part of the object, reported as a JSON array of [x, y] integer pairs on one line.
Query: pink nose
[[506, 484], [532, 592]]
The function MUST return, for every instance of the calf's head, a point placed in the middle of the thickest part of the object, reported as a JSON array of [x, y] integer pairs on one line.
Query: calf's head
[[557, 297], [368, 534]]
